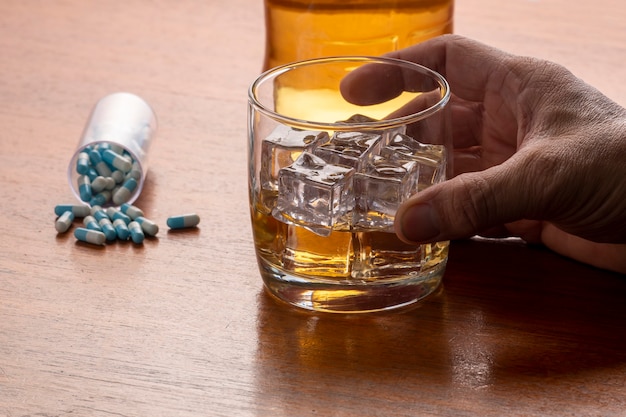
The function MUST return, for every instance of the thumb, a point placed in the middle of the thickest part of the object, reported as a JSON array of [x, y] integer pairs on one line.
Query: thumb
[[467, 205]]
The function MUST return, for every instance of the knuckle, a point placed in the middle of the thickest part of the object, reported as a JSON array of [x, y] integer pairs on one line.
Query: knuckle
[[471, 207]]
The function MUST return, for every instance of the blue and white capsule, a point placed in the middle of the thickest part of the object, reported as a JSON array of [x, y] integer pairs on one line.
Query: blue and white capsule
[[99, 213], [91, 223], [183, 221], [125, 192], [115, 214], [92, 174], [84, 188], [64, 222], [117, 148], [102, 146], [97, 162], [136, 233], [131, 211], [107, 228], [90, 236], [78, 210], [101, 183], [101, 198], [121, 229], [83, 163], [117, 161], [135, 172], [149, 227], [98, 184], [110, 183], [118, 176]]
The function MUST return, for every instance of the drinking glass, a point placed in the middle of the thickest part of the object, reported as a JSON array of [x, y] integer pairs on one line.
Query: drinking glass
[[327, 175]]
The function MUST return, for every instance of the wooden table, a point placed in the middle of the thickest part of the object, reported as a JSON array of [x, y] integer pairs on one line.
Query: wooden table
[[181, 326]]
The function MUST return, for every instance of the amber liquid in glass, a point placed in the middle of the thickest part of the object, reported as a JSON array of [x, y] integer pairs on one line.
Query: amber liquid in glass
[[303, 29], [348, 256]]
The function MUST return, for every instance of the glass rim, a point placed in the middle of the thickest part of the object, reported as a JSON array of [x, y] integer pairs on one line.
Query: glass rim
[[340, 126]]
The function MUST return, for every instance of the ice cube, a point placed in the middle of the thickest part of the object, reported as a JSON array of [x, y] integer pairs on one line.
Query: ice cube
[[430, 158], [386, 134], [314, 194], [379, 191], [282, 147], [352, 149]]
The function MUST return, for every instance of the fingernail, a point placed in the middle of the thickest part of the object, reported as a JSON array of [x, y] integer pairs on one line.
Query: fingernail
[[419, 223]]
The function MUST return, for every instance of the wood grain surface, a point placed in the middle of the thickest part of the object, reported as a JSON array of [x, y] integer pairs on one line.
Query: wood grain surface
[[180, 326]]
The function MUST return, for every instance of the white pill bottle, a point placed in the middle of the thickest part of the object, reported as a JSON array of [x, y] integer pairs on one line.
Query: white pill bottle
[[125, 125]]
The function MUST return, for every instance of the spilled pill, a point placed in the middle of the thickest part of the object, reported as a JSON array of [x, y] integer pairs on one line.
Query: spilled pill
[[136, 233], [90, 236], [64, 222], [78, 210], [121, 229], [90, 223], [115, 214], [149, 227], [99, 214], [131, 211], [183, 221], [107, 228]]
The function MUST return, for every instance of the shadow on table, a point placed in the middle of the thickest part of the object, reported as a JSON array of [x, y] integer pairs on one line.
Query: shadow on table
[[509, 318]]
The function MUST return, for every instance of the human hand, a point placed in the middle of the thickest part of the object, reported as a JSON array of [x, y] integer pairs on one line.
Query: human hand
[[538, 154]]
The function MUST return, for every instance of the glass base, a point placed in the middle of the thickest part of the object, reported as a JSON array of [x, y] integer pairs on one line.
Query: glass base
[[357, 297]]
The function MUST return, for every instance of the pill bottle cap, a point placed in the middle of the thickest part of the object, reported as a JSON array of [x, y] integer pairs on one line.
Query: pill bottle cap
[[125, 125]]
